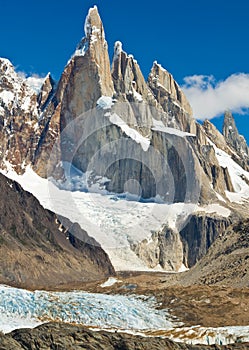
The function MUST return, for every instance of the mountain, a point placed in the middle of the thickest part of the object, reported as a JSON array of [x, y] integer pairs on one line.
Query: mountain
[[126, 138], [40, 249]]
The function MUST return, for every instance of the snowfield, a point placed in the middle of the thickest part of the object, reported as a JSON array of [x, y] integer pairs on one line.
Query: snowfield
[[114, 221]]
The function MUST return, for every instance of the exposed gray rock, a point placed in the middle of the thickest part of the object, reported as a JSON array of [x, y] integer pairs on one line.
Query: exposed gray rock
[[236, 141], [164, 249], [216, 137], [172, 99], [199, 234], [227, 260], [128, 80], [46, 92], [232, 136]]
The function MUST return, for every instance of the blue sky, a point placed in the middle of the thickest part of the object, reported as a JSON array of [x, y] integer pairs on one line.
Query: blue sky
[[189, 38]]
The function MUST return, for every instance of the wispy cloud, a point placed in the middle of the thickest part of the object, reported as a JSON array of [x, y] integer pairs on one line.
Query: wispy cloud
[[210, 98]]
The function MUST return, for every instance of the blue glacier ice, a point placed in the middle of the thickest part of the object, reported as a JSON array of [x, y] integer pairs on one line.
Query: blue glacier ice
[[98, 310]]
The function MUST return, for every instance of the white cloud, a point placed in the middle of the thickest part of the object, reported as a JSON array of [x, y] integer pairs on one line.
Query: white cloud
[[34, 81], [210, 98]]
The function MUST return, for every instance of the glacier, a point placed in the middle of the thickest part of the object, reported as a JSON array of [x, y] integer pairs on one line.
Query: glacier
[[21, 308]]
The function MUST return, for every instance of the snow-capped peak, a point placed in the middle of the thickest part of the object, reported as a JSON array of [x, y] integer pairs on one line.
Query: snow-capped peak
[[94, 32], [5, 64], [16, 90], [93, 22], [156, 64]]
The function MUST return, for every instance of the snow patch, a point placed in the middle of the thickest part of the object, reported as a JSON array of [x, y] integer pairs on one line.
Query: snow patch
[[209, 336], [137, 96], [117, 50], [183, 268], [236, 173], [105, 102], [159, 126], [110, 282], [7, 97], [216, 209], [132, 133]]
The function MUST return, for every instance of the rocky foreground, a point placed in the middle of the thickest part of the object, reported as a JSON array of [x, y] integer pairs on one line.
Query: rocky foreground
[[66, 337]]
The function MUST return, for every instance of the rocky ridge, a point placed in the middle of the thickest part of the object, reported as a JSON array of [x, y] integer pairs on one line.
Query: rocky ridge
[[66, 337], [42, 250]]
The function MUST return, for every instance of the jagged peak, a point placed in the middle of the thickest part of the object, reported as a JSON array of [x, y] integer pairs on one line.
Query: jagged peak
[[93, 23], [159, 75], [160, 79], [232, 136], [215, 135], [157, 68], [49, 78], [230, 130], [6, 66], [118, 50], [228, 117], [94, 32], [157, 65], [5, 61], [229, 125]]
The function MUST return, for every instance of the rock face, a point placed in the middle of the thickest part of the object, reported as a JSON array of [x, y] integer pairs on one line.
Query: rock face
[[56, 250], [18, 117], [164, 249], [170, 96], [67, 337], [128, 80], [46, 92], [227, 260], [112, 124], [199, 234]]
